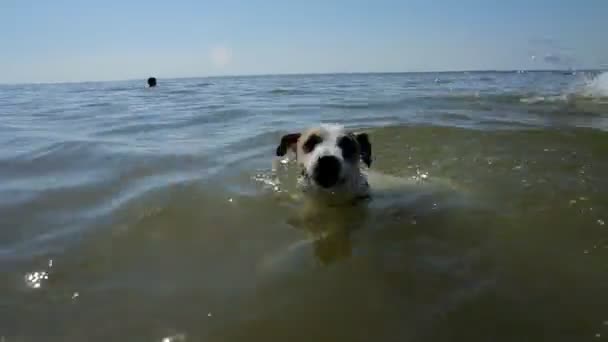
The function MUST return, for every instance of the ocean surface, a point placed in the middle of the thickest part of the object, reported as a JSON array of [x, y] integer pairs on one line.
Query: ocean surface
[[154, 214]]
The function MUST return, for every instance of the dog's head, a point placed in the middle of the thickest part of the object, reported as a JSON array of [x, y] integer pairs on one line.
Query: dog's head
[[329, 156]]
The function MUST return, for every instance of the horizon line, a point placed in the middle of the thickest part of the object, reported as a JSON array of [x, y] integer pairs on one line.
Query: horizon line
[[312, 74]]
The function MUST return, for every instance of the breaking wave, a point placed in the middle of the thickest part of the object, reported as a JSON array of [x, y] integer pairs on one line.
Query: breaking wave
[[596, 86]]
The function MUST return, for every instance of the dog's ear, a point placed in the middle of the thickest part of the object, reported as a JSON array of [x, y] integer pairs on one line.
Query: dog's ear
[[365, 147], [288, 142]]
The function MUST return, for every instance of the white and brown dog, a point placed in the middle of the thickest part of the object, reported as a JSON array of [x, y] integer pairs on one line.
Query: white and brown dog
[[330, 159]]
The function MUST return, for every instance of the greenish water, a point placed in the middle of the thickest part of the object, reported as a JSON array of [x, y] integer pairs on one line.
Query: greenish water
[[149, 214]]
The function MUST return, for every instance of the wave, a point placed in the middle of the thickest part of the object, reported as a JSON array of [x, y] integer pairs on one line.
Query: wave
[[285, 91], [443, 81], [596, 86], [545, 99], [97, 104], [592, 90], [215, 117], [183, 92]]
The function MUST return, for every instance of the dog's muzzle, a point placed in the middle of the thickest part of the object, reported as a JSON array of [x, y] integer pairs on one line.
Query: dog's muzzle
[[327, 171]]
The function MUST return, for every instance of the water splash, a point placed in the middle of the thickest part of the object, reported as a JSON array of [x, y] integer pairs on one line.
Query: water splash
[[597, 86], [34, 280], [268, 181], [586, 88]]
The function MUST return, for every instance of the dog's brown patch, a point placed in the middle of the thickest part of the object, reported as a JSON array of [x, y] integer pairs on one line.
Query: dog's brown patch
[[309, 140], [310, 143], [288, 142]]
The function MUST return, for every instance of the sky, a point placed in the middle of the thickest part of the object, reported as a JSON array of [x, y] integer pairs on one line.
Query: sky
[[83, 40]]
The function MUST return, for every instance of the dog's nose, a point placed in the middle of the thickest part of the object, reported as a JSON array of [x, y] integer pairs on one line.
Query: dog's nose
[[327, 172]]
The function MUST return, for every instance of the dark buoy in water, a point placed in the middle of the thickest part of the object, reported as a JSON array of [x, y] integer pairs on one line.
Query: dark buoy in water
[[152, 82]]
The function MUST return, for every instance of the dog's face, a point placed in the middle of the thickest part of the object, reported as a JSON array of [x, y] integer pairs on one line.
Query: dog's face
[[329, 156]]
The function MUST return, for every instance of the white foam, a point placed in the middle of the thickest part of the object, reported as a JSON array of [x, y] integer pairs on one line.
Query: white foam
[[597, 86], [542, 99]]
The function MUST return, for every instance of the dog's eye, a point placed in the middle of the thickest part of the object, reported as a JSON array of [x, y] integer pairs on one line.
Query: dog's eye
[[310, 144], [348, 146]]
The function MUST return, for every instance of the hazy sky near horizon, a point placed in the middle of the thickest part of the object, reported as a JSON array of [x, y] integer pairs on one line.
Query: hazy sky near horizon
[[81, 40]]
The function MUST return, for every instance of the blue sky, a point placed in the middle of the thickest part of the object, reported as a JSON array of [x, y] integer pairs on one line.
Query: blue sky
[[79, 40]]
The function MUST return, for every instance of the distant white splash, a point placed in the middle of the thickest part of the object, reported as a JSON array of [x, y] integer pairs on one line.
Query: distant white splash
[[597, 86], [584, 86]]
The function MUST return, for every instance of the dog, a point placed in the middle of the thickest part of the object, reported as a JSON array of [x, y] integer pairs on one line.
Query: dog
[[330, 160], [336, 188]]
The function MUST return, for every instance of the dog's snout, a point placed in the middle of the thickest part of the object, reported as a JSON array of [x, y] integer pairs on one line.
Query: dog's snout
[[327, 171]]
